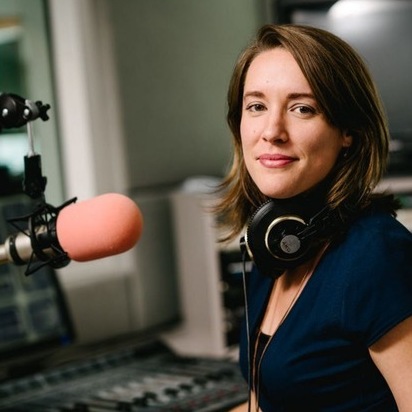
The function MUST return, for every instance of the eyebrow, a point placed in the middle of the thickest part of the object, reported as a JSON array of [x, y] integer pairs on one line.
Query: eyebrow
[[253, 94], [293, 96], [290, 96]]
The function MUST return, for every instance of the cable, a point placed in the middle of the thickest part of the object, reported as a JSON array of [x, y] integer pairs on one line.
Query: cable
[[244, 254]]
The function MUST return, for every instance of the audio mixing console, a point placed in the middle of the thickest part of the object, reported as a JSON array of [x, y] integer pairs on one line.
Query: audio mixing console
[[129, 381]]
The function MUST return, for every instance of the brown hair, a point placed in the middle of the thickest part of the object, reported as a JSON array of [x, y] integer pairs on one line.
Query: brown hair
[[345, 93]]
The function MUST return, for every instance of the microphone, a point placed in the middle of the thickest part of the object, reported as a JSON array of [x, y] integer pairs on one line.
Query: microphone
[[100, 227]]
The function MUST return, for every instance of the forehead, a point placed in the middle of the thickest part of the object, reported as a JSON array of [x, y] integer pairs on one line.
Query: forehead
[[275, 68]]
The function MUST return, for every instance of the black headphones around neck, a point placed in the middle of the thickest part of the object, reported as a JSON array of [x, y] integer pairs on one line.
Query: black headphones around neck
[[282, 234]]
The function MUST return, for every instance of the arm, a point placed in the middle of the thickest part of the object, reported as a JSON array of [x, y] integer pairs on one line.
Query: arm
[[392, 354]]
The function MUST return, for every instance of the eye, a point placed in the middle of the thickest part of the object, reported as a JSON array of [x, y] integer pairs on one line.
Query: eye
[[255, 107], [304, 110]]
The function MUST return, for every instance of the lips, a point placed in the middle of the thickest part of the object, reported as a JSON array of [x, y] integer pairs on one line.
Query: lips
[[275, 160]]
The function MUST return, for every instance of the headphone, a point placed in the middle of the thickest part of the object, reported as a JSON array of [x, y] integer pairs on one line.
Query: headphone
[[280, 235]]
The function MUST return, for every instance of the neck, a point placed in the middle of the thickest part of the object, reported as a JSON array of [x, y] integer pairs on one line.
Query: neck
[[306, 204]]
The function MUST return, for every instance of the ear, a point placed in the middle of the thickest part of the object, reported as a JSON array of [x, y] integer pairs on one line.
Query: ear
[[347, 139]]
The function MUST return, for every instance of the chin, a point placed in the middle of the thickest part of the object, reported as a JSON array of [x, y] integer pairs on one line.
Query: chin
[[280, 194], [280, 188]]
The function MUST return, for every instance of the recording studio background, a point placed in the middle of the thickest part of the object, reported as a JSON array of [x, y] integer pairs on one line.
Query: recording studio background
[[138, 91]]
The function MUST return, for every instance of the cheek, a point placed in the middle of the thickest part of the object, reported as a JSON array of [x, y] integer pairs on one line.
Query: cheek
[[248, 133], [245, 137], [243, 130], [322, 139], [325, 151]]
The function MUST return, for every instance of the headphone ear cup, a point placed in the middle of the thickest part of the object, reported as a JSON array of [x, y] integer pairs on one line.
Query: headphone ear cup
[[273, 240], [282, 238]]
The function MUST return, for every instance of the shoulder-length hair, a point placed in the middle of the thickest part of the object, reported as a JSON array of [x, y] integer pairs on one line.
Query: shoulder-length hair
[[349, 100]]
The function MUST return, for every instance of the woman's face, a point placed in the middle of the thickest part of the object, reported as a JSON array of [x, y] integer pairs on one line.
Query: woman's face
[[288, 145]]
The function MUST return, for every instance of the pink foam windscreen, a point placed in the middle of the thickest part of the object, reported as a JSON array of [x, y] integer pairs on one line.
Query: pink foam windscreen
[[103, 226]]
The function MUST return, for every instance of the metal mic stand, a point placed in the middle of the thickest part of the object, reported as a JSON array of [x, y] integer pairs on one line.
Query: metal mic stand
[[40, 225], [15, 111]]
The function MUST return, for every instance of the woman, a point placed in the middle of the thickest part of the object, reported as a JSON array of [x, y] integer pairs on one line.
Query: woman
[[331, 328]]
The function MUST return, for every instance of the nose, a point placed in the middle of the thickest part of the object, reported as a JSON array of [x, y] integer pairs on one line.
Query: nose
[[275, 129]]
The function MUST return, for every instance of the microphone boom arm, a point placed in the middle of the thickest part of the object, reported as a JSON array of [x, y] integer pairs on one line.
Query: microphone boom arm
[[36, 243], [15, 111]]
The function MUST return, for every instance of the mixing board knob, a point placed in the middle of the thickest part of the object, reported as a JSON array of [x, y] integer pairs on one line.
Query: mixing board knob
[[172, 392]]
